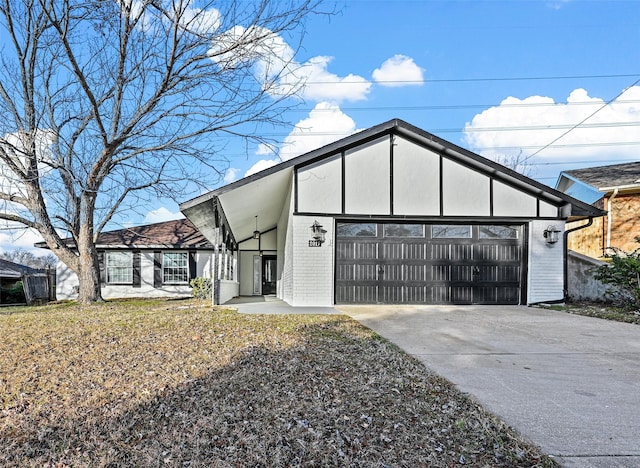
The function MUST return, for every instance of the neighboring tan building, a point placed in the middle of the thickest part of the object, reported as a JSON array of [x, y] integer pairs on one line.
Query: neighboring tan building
[[614, 189], [393, 215]]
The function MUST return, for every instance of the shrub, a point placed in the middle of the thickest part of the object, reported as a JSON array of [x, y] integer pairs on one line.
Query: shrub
[[624, 273], [13, 294], [201, 287]]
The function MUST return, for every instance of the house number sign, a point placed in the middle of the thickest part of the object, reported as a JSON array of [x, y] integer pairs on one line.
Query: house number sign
[[315, 243]]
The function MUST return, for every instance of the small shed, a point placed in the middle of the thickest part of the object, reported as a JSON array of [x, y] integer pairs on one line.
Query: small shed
[[34, 287]]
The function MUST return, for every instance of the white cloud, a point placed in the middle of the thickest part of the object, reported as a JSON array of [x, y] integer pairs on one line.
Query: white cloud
[[275, 67], [261, 166], [15, 146], [326, 123], [526, 125], [193, 19], [321, 85], [200, 21], [231, 175], [160, 215], [399, 70], [20, 237]]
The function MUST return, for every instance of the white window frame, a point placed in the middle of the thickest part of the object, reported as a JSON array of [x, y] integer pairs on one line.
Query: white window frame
[[118, 272], [170, 277]]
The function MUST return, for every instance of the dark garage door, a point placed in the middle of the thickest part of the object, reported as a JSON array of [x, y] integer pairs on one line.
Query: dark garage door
[[428, 263]]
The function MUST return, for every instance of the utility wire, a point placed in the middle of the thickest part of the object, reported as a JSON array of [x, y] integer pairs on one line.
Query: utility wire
[[582, 121], [472, 80]]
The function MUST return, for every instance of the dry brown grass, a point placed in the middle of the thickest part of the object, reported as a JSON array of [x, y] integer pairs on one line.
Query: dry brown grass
[[175, 383]]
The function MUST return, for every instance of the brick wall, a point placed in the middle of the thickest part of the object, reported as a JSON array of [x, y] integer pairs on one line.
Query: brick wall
[[625, 221], [588, 241], [313, 266], [625, 226]]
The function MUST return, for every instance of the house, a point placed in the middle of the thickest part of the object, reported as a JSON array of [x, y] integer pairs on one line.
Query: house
[[392, 214], [153, 260], [614, 189]]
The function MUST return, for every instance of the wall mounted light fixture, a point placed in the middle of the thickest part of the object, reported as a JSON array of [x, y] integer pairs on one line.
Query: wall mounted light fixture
[[551, 234], [317, 234]]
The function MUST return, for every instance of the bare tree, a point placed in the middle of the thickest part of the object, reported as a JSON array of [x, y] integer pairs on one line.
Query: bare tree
[[103, 102], [517, 162], [24, 257]]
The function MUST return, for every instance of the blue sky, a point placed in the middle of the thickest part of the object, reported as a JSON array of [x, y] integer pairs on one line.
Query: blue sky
[[458, 68], [501, 78]]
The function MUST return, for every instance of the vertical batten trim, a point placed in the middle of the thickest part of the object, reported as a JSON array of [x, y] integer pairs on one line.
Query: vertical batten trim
[[441, 175], [344, 176], [295, 190], [490, 196], [391, 145]]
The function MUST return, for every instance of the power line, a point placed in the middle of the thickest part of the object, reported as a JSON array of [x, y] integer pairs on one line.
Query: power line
[[583, 120], [474, 80], [463, 106]]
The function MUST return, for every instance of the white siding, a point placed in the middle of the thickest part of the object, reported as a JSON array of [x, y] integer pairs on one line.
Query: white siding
[[465, 192], [508, 201], [245, 268], [285, 252], [313, 266], [547, 210], [367, 184], [320, 186], [416, 179], [546, 272], [67, 280]]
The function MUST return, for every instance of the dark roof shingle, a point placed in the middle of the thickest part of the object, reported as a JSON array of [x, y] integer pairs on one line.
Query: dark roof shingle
[[180, 233], [608, 176]]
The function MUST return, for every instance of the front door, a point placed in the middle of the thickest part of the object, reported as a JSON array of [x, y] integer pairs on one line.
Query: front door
[[268, 275]]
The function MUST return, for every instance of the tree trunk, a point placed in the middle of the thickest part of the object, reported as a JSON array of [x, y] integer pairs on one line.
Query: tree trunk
[[88, 272], [89, 278]]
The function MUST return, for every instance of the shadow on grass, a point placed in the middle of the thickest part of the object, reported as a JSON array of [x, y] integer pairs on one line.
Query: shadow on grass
[[341, 398]]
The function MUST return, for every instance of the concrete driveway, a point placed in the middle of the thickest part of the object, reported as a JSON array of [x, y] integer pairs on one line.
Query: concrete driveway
[[569, 384]]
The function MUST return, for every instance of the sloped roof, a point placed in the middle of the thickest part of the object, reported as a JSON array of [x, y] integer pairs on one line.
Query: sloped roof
[[265, 192], [15, 270], [180, 234], [615, 175]]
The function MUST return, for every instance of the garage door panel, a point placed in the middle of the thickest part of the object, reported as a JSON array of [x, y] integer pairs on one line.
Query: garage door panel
[[463, 264], [346, 272], [391, 272], [366, 251], [462, 294], [461, 273], [415, 294], [439, 294], [416, 251], [416, 273], [366, 272], [365, 294]]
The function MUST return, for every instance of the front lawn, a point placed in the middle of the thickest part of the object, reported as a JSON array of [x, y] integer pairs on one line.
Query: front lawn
[[179, 384]]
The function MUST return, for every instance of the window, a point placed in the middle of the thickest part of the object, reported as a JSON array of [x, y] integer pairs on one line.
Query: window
[[404, 230], [175, 267], [499, 232], [119, 267], [357, 229], [448, 231]]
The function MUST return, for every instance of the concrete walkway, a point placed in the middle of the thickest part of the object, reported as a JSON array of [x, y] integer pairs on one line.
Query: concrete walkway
[[569, 384], [272, 305]]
